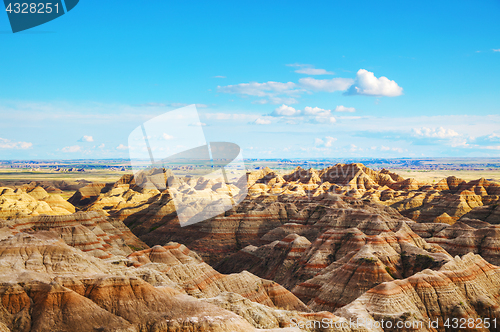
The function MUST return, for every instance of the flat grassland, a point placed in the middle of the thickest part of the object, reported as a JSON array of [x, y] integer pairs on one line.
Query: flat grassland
[[432, 176], [7, 176], [19, 177]]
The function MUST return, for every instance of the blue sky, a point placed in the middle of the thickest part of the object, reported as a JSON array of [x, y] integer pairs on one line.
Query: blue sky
[[282, 79]]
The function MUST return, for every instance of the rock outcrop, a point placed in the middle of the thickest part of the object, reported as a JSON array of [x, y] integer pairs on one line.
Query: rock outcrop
[[91, 232], [15, 203]]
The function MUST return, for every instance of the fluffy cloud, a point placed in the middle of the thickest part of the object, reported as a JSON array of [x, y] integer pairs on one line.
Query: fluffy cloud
[[71, 149], [167, 136], [286, 93], [328, 85], [313, 114], [326, 142], [440, 132], [86, 138], [8, 144], [261, 121], [368, 85], [341, 108], [285, 110], [122, 147], [316, 111]]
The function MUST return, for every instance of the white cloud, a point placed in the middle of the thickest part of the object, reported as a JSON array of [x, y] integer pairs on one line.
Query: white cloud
[[101, 146], [261, 121], [8, 144], [440, 132], [269, 90], [86, 138], [276, 100], [314, 71], [316, 111], [328, 85], [310, 114], [198, 124], [219, 76], [341, 108], [323, 119], [386, 148], [167, 136], [285, 110], [71, 149], [326, 142], [122, 147], [309, 69], [496, 50], [231, 116], [368, 85]]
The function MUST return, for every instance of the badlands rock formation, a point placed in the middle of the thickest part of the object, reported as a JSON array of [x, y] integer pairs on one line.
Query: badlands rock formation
[[464, 288], [15, 203], [275, 199], [91, 232], [46, 285], [341, 243]]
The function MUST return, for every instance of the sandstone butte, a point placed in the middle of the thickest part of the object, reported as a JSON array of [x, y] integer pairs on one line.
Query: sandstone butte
[[341, 243]]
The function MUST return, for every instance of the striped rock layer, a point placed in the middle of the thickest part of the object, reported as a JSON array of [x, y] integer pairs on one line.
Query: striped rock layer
[[464, 288], [91, 232], [46, 285]]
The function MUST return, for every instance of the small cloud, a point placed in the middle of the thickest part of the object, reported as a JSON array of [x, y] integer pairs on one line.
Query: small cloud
[[327, 85], [309, 69], [122, 147], [219, 76], [184, 105], [285, 110], [323, 119], [260, 121], [366, 84], [314, 71], [167, 136], [8, 144], [341, 108], [309, 114], [86, 139], [386, 148], [276, 100], [440, 132], [197, 124], [72, 149], [316, 111], [177, 105], [496, 50], [271, 92], [326, 142], [101, 146]]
